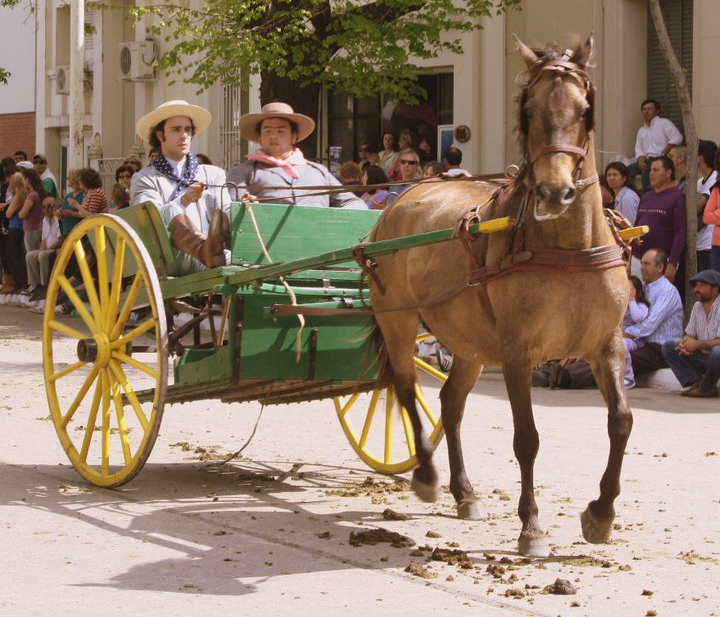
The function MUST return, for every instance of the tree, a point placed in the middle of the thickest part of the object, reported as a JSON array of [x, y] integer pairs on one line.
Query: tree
[[5, 74], [298, 46], [691, 141]]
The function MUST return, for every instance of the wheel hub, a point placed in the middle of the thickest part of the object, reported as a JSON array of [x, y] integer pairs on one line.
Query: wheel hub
[[96, 349]]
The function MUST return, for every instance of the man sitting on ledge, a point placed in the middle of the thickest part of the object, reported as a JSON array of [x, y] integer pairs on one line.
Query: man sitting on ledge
[[695, 359]]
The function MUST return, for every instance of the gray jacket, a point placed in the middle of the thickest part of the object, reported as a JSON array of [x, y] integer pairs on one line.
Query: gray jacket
[[260, 179]]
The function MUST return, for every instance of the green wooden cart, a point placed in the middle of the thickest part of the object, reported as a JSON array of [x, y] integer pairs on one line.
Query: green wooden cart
[[232, 333]]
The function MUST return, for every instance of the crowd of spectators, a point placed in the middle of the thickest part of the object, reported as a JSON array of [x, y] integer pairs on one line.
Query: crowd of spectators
[[35, 218]]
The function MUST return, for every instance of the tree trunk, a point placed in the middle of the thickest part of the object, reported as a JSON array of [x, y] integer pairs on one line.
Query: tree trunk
[[303, 100], [691, 142]]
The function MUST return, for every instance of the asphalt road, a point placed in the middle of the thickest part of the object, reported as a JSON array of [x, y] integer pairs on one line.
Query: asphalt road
[[269, 534]]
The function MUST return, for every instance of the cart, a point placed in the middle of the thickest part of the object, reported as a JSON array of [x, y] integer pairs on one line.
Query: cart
[[231, 333]]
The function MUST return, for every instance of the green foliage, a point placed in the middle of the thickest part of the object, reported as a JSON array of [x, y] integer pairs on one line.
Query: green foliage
[[348, 45]]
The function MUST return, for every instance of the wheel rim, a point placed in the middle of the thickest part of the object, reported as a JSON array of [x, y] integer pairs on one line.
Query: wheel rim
[[91, 373], [384, 440]]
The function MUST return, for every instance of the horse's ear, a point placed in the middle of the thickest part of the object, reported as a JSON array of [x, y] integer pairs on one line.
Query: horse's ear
[[527, 54], [583, 52]]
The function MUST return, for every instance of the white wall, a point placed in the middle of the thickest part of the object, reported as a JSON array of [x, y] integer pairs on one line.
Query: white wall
[[17, 55]]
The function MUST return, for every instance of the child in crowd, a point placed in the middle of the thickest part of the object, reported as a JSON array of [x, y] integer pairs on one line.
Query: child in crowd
[[39, 262], [638, 309], [120, 198]]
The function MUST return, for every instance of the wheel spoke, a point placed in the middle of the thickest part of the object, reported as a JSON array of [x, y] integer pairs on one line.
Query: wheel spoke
[[389, 404], [133, 334], [116, 282], [79, 397], [66, 370], [105, 432], [127, 306], [369, 418], [423, 403], [350, 402], [88, 281], [129, 392], [429, 369], [91, 420], [65, 329], [409, 435], [118, 355], [101, 259], [78, 304], [122, 425]]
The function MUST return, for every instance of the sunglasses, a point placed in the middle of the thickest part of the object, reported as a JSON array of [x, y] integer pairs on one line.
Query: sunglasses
[[125, 176], [408, 162]]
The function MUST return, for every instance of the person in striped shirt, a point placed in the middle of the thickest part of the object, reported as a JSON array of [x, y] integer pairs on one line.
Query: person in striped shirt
[[95, 201], [695, 359]]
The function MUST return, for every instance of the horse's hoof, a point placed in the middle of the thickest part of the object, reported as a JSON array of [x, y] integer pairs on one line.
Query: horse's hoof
[[426, 492], [534, 545], [470, 509], [593, 530]]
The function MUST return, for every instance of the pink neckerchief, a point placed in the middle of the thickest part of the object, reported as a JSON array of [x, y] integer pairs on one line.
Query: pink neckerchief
[[296, 158]]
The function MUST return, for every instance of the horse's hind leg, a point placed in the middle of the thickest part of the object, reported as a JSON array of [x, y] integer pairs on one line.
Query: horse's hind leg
[[532, 541], [399, 332], [608, 368], [463, 376]]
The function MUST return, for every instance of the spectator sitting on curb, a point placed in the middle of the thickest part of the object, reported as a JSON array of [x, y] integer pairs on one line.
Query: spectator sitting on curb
[[663, 323], [695, 359]]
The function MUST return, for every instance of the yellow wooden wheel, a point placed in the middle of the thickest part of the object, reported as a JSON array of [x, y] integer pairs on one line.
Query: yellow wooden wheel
[[378, 444], [92, 373]]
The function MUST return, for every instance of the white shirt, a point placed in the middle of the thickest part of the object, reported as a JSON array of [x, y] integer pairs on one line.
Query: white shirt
[[50, 231], [652, 140], [704, 236], [626, 203]]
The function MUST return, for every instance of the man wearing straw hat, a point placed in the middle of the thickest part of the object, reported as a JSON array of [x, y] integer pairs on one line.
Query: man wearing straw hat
[[188, 195], [277, 172]]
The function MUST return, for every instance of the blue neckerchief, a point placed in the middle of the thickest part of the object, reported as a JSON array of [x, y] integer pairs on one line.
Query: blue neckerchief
[[161, 164]]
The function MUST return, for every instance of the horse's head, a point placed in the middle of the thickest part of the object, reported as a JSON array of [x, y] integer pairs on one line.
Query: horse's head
[[556, 119]]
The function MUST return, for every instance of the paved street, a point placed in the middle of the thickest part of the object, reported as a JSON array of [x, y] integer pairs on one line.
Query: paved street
[[269, 534]]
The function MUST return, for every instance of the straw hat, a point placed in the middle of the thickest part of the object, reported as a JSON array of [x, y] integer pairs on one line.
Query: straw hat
[[200, 116], [249, 122]]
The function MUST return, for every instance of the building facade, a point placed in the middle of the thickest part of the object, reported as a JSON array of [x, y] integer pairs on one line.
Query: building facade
[[474, 91]]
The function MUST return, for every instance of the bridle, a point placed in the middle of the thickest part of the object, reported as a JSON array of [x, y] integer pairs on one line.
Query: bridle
[[560, 67]]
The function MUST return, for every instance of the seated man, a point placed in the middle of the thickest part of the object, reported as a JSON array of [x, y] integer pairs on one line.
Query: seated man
[[188, 195], [277, 172], [695, 359], [663, 322]]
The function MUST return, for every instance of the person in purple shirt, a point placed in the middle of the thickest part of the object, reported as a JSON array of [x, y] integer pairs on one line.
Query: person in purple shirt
[[662, 209]]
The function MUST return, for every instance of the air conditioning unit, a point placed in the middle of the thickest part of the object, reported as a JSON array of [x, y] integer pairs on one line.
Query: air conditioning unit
[[62, 80], [135, 60]]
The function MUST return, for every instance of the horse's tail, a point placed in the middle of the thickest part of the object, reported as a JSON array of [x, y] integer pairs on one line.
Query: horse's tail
[[378, 348]]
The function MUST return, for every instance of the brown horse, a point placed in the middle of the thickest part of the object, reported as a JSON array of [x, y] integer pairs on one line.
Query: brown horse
[[524, 314]]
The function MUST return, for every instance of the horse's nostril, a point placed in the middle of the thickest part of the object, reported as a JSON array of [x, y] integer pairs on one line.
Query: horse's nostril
[[568, 195]]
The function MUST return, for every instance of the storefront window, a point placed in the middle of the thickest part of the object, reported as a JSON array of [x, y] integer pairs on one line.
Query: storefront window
[[353, 120]]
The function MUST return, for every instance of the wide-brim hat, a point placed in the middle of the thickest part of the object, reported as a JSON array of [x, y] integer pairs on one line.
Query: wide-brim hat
[[711, 277], [249, 122], [200, 117]]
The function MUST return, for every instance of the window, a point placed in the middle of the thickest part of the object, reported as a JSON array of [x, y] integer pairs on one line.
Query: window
[[678, 16], [352, 120]]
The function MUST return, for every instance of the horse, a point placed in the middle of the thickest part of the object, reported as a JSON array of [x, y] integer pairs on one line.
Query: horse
[[552, 286]]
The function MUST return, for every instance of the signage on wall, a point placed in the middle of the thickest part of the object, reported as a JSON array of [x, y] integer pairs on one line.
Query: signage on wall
[[445, 135]]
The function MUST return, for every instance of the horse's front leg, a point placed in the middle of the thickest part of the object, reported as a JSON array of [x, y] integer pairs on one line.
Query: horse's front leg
[[453, 396], [608, 367], [532, 541]]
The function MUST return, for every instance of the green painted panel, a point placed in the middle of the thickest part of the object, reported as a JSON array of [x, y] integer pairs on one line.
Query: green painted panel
[[292, 232], [147, 223], [197, 366], [268, 343]]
